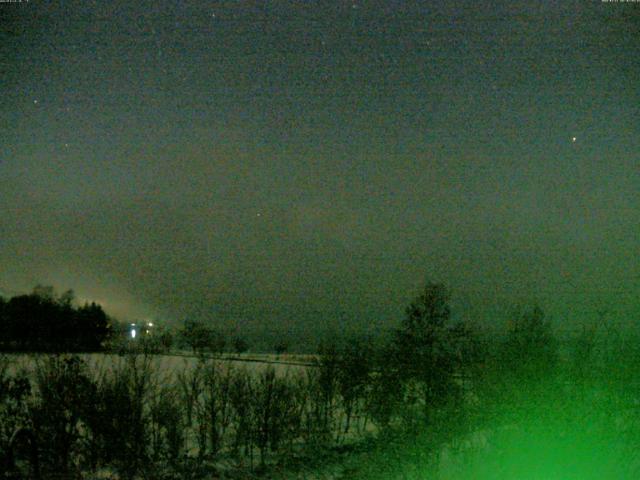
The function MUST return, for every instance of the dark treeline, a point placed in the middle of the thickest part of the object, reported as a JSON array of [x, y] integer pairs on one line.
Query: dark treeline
[[45, 322]]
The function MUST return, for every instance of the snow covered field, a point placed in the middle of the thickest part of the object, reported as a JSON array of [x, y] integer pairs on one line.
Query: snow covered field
[[169, 365]]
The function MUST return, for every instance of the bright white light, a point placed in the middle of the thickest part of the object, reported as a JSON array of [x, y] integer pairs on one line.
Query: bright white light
[[151, 324], [133, 333], [573, 139]]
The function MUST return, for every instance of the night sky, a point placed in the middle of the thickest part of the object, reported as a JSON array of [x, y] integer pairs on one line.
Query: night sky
[[303, 166]]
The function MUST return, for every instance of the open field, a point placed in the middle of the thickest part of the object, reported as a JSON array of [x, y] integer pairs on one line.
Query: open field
[[169, 365]]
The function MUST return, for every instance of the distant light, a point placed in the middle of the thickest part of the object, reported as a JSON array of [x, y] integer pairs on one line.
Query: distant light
[[133, 333], [151, 324], [573, 139]]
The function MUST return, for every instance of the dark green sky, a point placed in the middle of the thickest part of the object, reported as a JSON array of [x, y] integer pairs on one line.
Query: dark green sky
[[311, 163]]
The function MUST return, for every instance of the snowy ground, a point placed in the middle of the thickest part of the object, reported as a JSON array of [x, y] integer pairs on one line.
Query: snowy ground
[[169, 365]]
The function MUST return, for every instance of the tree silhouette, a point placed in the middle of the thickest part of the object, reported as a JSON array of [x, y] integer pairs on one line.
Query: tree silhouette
[[425, 347], [524, 369], [41, 321], [93, 326], [200, 338], [240, 345], [4, 325], [530, 348]]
